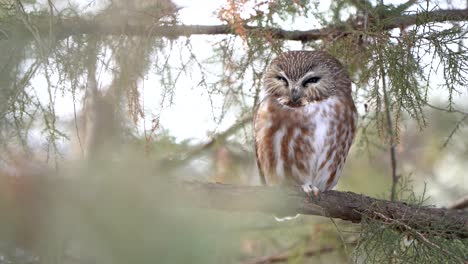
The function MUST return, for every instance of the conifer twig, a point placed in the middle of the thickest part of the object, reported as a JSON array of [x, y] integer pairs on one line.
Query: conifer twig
[[390, 131], [419, 235]]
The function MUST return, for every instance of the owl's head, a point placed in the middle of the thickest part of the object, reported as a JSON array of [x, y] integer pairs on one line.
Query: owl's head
[[297, 78]]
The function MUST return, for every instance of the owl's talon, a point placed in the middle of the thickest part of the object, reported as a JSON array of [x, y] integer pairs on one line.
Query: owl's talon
[[308, 189], [315, 191]]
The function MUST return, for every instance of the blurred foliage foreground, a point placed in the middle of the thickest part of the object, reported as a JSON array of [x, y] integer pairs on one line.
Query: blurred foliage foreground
[[96, 213]]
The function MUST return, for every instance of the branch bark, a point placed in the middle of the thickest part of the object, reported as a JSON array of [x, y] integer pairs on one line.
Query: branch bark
[[342, 205], [77, 26]]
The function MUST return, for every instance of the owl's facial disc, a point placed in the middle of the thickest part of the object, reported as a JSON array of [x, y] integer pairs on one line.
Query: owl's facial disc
[[298, 78], [314, 85], [301, 92]]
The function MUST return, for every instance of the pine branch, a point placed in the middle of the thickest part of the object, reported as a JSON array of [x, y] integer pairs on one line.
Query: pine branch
[[77, 26], [342, 205]]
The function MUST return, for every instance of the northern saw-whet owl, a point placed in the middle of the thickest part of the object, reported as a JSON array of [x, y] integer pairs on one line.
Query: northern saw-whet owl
[[306, 121]]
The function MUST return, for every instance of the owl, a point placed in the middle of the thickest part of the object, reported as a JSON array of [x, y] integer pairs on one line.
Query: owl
[[305, 122]]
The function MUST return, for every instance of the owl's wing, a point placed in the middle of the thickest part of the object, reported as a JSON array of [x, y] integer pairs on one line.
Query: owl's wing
[[260, 171]]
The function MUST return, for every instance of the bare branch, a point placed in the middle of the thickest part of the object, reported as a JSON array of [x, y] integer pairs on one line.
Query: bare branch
[[219, 137], [76, 26], [342, 205], [442, 15], [445, 109], [79, 26], [454, 130]]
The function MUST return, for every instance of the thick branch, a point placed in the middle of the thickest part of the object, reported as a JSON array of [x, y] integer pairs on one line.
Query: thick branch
[[343, 205], [427, 17], [79, 26], [105, 26]]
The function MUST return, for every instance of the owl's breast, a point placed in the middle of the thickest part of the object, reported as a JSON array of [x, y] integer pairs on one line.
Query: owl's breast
[[293, 143]]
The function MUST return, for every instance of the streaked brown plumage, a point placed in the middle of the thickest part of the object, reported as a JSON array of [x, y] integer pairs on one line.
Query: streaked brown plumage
[[306, 122]]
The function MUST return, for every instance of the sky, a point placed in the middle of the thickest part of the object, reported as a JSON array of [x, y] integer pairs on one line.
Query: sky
[[193, 12]]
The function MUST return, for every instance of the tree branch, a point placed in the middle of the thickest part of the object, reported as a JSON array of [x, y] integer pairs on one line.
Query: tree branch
[[198, 150], [342, 205], [442, 15], [104, 26], [459, 204], [282, 257], [80, 26], [219, 137], [311, 252]]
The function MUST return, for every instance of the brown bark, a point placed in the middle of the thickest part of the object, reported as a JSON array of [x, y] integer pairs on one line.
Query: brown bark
[[342, 205]]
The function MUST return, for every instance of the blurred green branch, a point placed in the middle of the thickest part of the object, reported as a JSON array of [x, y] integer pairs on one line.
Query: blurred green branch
[[283, 257], [342, 205], [220, 137], [180, 159]]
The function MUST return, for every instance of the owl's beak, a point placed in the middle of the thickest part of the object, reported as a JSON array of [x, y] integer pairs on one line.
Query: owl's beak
[[296, 94]]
